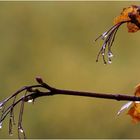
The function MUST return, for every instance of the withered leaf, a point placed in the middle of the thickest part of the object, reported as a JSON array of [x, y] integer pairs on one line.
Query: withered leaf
[[133, 11], [134, 111]]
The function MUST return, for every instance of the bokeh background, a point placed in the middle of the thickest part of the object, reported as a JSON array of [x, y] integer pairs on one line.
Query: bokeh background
[[55, 40]]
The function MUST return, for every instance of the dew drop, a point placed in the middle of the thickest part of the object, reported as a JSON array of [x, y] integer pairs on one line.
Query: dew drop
[[30, 100], [1, 105], [104, 35], [21, 130], [109, 61], [110, 55], [103, 53], [0, 125]]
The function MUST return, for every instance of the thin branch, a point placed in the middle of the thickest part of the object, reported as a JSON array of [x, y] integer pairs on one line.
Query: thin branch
[[118, 97], [30, 93]]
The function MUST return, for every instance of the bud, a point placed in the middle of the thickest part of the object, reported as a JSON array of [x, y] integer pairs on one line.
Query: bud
[[39, 80]]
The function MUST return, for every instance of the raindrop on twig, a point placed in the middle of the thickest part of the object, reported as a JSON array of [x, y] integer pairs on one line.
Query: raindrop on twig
[[20, 129], [0, 125], [1, 105], [30, 100], [109, 61]]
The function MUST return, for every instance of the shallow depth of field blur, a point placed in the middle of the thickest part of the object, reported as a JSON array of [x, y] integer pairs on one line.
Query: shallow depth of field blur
[[55, 40]]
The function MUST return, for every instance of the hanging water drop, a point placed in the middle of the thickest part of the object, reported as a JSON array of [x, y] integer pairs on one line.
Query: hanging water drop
[[104, 35], [21, 130], [103, 53], [0, 125], [109, 61], [1, 105], [110, 54], [30, 100]]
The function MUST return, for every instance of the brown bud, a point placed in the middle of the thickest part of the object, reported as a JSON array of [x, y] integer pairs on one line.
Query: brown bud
[[39, 80]]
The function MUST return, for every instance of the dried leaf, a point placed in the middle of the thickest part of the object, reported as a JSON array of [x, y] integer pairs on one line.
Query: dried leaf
[[130, 16], [134, 111], [137, 90], [125, 16]]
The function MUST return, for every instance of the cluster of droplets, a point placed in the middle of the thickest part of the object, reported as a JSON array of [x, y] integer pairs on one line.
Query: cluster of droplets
[[4, 112], [30, 101], [29, 96], [1, 105], [110, 55], [108, 38], [103, 49]]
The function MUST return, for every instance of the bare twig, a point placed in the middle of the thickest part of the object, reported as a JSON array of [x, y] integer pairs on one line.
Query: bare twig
[[34, 91]]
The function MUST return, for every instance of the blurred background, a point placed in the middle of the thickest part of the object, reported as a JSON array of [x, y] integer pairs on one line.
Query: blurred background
[[55, 40]]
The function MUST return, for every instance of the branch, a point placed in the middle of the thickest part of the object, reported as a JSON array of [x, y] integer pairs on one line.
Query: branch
[[30, 93]]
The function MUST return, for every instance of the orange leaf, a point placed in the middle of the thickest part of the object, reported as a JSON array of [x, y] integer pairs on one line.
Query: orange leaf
[[134, 111], [130, 16], [137, 90], [135, 12]]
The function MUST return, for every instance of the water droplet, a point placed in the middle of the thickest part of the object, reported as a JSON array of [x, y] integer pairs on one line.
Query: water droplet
[[104, 35], [1, 105], [103, 53], [21, 130], [30, 100], [109, 61], [0, 125], [104, 46], [110, 55]]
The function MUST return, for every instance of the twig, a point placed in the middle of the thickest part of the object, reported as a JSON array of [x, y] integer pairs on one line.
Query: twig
[[35, 91]]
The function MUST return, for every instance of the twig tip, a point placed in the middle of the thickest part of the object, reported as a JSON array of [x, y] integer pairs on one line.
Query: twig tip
[[39, 80]]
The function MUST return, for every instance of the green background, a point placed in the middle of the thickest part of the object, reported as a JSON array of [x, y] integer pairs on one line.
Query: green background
[[55, 40]]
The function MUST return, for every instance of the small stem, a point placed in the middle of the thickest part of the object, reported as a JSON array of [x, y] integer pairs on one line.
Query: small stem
[[34, 91], [118, 97]]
